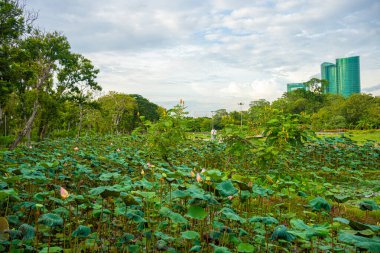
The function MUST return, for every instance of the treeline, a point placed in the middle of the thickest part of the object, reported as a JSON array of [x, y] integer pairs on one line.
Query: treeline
[[325, 111]]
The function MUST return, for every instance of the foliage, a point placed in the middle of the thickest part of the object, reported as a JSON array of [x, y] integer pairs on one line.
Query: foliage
[[284, 129], [113, 206]]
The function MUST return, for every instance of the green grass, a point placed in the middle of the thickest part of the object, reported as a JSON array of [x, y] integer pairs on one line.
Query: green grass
[[360, 136]]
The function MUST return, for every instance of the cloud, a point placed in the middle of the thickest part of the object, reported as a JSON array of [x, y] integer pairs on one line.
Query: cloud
[[215, 53], [372, 88]]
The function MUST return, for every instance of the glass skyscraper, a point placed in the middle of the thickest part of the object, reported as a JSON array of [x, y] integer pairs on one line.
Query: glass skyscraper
[[328, 73], [348, 75], [343, 77], [294, 86]]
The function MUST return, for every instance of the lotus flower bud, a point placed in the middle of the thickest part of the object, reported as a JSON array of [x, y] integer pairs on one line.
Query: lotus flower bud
[[64, 194], [199, 178]]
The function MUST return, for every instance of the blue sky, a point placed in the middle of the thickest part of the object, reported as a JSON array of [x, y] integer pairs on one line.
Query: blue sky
[[215, 53]]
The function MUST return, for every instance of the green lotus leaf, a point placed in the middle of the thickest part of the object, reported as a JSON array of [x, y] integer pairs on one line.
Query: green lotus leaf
[[368, 205], [341, 220], [135, 215], [265, 220], [196, 212], [51, 220], [196, 248], [161, 245], [175, 217], [27, 231], [163, 236], [126, 238], [218, 249], [245, 247], [371, 244], [105, 191], [320, 203], [242, 232], [215, 175], [180, 194], [230, 214], [81, 232], [190, 235], [54, 249], [362, 226], [226, 188], [281, 233], [8, 193], [341, 198]]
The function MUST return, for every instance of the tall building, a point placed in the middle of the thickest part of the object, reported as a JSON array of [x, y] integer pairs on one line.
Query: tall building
[[343, 77], [328, 73], [348, 75], [295, 86]]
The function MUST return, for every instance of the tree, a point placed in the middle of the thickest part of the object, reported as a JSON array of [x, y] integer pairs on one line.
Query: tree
[[146, 108], [14, 23], [259, 112], [356, 109], [77, 83], [119, 110], [316, 85], [43, 56]]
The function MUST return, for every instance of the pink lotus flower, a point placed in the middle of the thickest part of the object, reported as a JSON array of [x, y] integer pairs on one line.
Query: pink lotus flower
[[64, 194], [76, 148], [199, 178]]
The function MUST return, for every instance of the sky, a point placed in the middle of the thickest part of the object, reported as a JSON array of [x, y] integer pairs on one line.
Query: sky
[[215, 54]]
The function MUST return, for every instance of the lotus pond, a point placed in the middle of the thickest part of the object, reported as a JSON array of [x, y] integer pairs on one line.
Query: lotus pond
[[111, 194]]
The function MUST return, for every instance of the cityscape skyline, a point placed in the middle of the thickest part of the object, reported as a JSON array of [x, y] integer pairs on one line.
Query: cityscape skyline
[[343, 78]]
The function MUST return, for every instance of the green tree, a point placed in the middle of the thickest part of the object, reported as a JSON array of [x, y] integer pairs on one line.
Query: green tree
[[356, 109], [316, 85], [43, 56], [146, 108], [14, 23], [119, 110], [168, 134]]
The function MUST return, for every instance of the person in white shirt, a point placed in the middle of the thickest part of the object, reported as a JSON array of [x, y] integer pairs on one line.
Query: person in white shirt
[[213, 134]]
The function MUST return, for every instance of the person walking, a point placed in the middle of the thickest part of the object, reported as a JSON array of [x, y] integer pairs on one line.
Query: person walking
[[213, 134]]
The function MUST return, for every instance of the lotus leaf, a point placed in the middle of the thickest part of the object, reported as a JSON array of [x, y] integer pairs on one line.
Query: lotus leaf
[[190, 235], [230, 214], [27, 231], [371, 244], [51, 220], [226, 188], [245, 247], [54, 249], [281, 233], [265, 220], [218, 249], [320, 203], [369, 205], [196, 212], [81, 232]]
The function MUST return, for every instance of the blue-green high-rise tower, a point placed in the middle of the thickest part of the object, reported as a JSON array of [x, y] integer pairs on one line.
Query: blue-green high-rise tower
[[348, 75], [328, 73], [343, 77]]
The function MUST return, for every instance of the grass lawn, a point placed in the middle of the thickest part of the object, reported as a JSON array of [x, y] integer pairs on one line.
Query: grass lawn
[[360, 136]]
